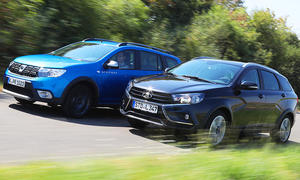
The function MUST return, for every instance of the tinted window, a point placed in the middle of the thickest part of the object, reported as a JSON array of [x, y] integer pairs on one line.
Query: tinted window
[[269, 81], [215, 71], [170, 62], [150, 61], [126, 59], [284, 83], [251, 76], [84, 51]]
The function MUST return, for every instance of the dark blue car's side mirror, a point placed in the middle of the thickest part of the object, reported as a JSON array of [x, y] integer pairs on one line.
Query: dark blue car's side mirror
[[248, 85]]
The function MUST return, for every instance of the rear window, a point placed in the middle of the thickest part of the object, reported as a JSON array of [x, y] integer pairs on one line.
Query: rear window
[[284, 83], [150, 61], [269, 81], [170, 62]]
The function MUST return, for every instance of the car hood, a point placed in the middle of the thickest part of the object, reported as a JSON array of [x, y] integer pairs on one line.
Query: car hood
[[174, 84], [48, 61]]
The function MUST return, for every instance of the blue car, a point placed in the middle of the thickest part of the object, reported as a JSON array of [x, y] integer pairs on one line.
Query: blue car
[[92, 72]]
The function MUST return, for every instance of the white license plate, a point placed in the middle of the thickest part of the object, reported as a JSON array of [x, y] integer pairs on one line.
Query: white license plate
[[145, 107], [16, 82]]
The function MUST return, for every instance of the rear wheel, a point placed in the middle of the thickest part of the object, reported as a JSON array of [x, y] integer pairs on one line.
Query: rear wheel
[[23, 101], [282, 132], [78, 101], [136, 123]]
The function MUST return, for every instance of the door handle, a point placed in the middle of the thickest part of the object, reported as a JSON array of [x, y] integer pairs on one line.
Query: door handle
[[261, 96], [283, 95]]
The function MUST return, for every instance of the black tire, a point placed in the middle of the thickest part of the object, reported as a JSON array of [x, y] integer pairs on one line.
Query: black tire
[[217, 134], [24, 102], [137, 124], [77, 102], [280, 136]]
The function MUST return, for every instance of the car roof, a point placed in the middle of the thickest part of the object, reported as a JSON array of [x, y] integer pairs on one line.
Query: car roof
[[238, 63], [131, 44]]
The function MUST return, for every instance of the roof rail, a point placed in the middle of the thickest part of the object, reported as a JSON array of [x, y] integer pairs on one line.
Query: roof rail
[[145, 46], [98, 39]]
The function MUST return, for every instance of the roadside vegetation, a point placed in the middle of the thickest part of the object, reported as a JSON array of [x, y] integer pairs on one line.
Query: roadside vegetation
[[217, 28], [269, 162]]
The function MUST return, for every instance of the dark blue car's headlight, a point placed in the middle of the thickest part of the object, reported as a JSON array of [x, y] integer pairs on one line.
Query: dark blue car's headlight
[[129, 86], [191, 98], [47, 72]]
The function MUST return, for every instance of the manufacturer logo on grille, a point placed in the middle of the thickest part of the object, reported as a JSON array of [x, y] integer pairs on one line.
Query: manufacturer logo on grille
[[147, 94], [22, 67]]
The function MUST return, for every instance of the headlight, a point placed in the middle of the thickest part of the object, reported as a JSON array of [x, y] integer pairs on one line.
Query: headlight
[[10, 64], [192, 98], [46, 72], [129, 86]]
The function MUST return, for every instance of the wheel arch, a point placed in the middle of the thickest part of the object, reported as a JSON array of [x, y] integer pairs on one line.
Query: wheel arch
[[224, 109], [86, 81], [288, 112]]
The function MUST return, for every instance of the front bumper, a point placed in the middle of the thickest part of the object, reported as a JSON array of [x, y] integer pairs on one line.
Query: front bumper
[[168, 115], [32, 85]]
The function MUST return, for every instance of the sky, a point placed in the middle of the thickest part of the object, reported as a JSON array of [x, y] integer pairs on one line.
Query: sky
[[282, 8]]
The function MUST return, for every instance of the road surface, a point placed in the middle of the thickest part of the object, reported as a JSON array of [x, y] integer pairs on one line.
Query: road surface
[[39, 132]]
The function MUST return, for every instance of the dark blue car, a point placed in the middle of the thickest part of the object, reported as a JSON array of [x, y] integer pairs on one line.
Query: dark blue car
[[90, 72]]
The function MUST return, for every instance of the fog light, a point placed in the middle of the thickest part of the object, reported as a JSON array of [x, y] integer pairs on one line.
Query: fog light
[[187, 116], [45, 94]]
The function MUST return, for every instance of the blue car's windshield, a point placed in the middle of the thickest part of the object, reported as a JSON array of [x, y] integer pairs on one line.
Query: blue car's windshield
[[84, 51], [207, 70]]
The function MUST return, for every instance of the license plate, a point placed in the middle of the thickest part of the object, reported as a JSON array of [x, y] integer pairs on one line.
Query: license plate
[[145, 107], [16, 82]]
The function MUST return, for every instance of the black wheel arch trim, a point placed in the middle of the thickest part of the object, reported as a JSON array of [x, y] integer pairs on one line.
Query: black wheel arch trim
[[77, 81], [287, 111], [217, 108]]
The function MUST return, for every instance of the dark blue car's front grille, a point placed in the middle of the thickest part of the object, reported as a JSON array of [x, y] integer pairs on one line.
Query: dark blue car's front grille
[[24, 70], [156, 96]]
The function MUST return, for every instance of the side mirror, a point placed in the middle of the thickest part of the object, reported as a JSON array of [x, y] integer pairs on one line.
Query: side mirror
[[248, 85], [112, 64]]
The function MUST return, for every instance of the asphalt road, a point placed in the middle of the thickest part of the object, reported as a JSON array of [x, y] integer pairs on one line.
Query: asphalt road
[[39, 132]]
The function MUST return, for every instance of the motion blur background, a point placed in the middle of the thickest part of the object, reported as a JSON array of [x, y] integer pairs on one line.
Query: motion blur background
[[189, 28]]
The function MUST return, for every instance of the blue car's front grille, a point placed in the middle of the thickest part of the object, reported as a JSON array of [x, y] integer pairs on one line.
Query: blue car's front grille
[[156, 96], [24, 70]]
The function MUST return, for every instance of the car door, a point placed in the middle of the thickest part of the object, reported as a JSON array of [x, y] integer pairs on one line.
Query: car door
[[248, 113], [149, 63], [114, 80], [274, 96]]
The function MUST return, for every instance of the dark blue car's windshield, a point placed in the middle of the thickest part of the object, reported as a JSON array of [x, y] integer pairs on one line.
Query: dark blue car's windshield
[[84, 51], [213, 71]]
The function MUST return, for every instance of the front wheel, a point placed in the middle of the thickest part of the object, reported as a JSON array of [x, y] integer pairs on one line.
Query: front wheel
[[78, 101], [282, 132], [217, 127]]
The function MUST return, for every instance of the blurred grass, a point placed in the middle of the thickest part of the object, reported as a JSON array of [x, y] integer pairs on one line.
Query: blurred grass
[[270, 162]]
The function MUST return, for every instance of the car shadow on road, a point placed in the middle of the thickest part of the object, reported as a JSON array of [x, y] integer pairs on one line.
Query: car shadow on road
[[194, 141], [95, 117]]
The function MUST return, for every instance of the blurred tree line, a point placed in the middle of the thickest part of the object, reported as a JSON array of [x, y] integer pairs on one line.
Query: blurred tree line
[[189, 28]]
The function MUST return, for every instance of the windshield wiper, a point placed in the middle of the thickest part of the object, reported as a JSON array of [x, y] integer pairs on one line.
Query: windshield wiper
[[197, 78]]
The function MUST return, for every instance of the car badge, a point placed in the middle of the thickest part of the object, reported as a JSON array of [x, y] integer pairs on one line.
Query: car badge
[[22, 67], [147, 94]]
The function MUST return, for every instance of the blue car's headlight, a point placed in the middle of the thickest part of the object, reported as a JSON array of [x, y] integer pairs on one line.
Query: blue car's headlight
[[47, 72], [191, 98]]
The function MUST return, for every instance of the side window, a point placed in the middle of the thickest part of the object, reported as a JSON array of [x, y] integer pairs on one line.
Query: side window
[[284, 83], [252, 76], [125, 59], [150, 61], [170, 62], [269, 81]]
